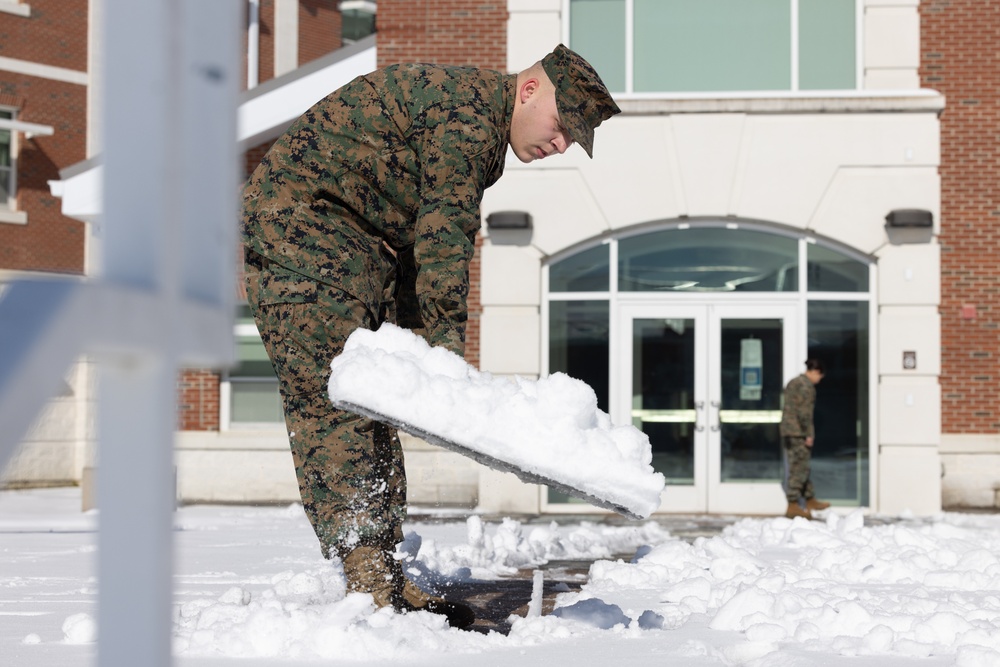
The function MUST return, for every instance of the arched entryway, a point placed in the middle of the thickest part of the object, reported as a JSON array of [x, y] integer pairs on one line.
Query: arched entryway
[[690, 329]]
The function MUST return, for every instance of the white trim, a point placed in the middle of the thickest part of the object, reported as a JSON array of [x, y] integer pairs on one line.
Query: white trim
[[28, 129], [253, 44], [9, 217], [28, 68], [15, 7], [286, 36]]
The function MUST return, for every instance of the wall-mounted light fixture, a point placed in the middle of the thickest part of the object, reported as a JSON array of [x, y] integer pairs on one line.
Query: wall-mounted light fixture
[[910, 217], [509, 220]]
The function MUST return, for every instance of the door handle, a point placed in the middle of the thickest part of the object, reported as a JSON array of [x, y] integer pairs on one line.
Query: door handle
[[717, 425], [698, 407]]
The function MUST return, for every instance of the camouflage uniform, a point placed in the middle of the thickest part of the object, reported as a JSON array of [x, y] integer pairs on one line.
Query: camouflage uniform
[[366, 211], [796, 426]]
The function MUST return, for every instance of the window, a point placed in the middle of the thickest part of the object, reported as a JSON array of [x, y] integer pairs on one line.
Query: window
[[253, 386], [6, 163], [692, 46]]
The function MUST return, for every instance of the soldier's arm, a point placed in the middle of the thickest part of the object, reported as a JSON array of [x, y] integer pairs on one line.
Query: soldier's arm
[[453, 173]]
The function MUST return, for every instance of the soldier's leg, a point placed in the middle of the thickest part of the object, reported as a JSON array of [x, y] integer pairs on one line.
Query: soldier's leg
[[798, 456], [349, 469]]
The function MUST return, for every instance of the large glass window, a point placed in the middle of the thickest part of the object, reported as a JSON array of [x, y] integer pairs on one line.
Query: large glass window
[[253, 386], [690, 46], [831, 271], [578, 343], [714, 259], [839, 335]]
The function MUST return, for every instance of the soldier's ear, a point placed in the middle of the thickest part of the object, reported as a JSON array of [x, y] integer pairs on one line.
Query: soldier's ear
[[528, 88]]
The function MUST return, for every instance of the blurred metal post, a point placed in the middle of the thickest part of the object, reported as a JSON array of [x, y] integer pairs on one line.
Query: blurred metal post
[[165, 299], [171, 72]]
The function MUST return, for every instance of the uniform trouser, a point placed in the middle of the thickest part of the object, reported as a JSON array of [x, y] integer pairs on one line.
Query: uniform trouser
[[349, 468], [797, 465]]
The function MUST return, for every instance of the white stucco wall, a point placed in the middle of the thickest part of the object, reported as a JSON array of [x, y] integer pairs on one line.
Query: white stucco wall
[[832, 168]]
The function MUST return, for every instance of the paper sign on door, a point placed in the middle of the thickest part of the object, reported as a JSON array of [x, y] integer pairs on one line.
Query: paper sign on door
[[751, 369]]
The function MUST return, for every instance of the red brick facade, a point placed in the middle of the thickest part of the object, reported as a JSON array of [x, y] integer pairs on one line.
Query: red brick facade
[[319, 29], [447, 32], [198, 401], [55, 35], [959, 41]]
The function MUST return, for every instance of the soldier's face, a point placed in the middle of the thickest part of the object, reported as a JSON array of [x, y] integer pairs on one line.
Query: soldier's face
[[535, 130]]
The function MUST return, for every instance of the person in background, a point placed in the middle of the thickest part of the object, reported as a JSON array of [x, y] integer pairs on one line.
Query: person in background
[[366, 211], [797, 437]]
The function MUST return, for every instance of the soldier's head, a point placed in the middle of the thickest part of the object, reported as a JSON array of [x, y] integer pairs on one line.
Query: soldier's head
[[560, 100], [814, 370]]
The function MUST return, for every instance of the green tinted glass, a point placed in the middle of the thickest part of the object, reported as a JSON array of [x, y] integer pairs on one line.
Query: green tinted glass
[[712, 45], [255, 401], [839, 335], [597, 32], [832, 271], [714, 259], [587, 271], [578, 343], [827, 45]]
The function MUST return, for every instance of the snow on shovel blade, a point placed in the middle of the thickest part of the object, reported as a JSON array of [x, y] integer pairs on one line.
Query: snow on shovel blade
[[547, 431]]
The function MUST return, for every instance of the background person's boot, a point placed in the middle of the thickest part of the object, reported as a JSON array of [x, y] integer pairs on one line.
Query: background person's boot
[[794, 510], [813, 504]]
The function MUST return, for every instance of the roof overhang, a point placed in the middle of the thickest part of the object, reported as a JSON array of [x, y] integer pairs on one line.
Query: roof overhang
[[263, 114]]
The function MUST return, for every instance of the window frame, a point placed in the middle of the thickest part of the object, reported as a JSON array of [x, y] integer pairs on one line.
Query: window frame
[[10, 205], [793, 91], [227, 379]]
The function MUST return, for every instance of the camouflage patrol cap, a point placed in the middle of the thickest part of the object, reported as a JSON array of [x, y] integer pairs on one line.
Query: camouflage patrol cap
[[582, 98]]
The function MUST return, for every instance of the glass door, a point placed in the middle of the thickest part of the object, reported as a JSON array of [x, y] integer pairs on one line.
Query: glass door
[[752, 354], [704, 382], [662, 392]]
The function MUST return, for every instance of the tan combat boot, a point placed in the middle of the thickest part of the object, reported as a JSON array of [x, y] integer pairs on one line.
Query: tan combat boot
[[813, 504], [794, 510], [459, 615], [373, 570]]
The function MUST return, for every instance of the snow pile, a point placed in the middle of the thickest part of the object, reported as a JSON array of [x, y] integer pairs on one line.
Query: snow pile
[[892, 590], [548, 430]]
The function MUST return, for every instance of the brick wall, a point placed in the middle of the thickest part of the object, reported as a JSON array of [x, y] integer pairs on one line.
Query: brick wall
[[319, 29], [56, 35], [959, 42], [265, 63], [198, 400], [447, 32]]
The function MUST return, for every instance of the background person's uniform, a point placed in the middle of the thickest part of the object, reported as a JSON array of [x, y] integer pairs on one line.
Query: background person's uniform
[[796, 426], [366, 211]]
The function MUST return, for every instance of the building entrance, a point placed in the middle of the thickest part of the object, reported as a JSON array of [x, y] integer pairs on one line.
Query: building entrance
[[704, 382]]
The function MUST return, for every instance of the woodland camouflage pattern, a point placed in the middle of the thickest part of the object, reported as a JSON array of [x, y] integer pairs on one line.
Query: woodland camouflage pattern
[[366, 211], [796, 426], [401, 156], [797, 411]]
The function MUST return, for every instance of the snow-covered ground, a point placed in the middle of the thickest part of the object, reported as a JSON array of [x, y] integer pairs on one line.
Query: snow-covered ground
[[251, 589]]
